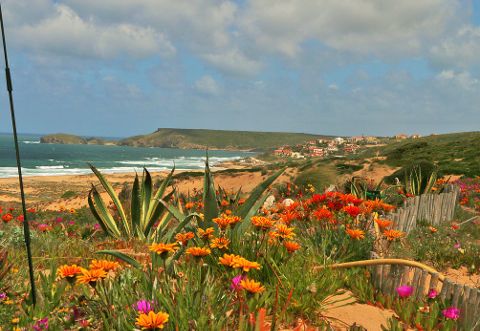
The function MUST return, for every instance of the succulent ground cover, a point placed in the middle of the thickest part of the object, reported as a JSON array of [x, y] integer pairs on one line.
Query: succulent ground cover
[[211, 260]]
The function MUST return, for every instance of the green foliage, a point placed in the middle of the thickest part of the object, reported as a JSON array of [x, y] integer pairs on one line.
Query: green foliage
[[456, 153], [145, 207], [319, 177], [69, 194], [218, 139]]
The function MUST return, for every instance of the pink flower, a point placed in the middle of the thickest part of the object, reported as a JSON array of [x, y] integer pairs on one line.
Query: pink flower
[[43, 227], [143, 306], [404, 291], [457, 246], [451, 313], [71, 222], [59, 220], [236, 282], [97, 226], [432, 294]]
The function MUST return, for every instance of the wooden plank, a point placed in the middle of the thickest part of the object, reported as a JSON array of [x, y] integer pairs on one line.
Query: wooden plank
[[416, 279], [444, 293], [422, 284], [433, 282], [457, 292]]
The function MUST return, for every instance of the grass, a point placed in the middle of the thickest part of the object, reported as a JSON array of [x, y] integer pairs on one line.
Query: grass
[[456, 153]]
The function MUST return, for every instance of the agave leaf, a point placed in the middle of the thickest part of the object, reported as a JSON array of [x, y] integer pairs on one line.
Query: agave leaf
[[124, 257], [156, 214], [136, 204], [174, 211], [103, 213], [93, 210], [173, 232], [243, 225], [245, 209], [210, 204], [153, 206], [147, 192], [111, 192]]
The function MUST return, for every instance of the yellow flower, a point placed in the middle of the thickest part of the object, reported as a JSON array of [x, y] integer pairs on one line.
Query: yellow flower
[[228, 259], [244, 264], [198, 251], [252, 286], [91, 276], [152, 320], [15, 320]]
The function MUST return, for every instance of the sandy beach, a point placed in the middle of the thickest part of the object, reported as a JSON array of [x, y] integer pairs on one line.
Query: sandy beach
[[47, 192]]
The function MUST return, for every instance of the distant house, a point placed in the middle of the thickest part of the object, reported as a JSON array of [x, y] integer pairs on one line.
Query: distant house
[[416, 136], [371, 139], [297, 155], [351, 148], [339, 140], [401, 136], [356, 139], [317, 152]]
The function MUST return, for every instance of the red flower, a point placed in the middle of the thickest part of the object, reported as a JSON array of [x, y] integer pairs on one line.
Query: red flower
[[353, 211], [323, 214], [7, 217]]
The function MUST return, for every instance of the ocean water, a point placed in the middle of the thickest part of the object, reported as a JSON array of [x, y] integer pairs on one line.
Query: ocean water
[[56, 159]]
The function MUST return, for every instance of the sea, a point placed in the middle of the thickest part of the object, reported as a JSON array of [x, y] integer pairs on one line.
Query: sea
[[57, 159]]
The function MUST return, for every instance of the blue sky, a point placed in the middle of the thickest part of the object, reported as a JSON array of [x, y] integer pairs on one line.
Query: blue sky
[[342, 67]]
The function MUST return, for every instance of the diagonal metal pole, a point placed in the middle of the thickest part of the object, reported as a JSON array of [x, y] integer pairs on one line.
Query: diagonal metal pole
[[26, 228]]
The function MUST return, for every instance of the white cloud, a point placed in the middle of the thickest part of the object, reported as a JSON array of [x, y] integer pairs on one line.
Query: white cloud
[[234, 62], [207, 85], [459, 50], [66, 33], [463, 79], [366, 27]]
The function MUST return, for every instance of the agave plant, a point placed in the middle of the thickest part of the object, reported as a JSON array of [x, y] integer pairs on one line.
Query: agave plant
[[145, 207], [416, 183]]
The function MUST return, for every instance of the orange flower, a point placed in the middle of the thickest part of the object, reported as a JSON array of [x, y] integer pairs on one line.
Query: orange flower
[[198, 251], [163, 249], [432, 229], [323, 214], [263, 223], [183, 238], [69, 272], [205, 234], [152, 320], [393, 234], [105, 265], [189, 205], [222, 222], [224, 203], [228, 259], [455, 226], [220, 243], [284, 232], [233, 219], [244, 264], [356, 234], [91, 276], [241, 201], [383, 224], [252, 286], [291, 246], [289, 216]]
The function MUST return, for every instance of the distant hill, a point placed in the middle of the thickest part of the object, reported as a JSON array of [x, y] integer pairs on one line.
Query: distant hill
[[455, 153], [218, 139], [70, 139]]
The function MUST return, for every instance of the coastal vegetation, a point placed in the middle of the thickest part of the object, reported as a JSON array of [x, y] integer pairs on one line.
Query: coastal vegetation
[[219, 259]]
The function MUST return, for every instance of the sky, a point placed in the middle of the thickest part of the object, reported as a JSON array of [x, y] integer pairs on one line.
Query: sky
[[341, 67]]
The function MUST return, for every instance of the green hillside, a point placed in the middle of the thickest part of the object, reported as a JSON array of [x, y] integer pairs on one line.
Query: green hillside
[[455, 153], [218, 139]]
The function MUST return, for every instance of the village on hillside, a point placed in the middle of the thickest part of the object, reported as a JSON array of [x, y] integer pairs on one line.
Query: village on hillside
[[338, 147]]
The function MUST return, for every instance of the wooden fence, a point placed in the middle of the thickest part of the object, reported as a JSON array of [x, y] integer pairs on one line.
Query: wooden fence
[[432, 208], [387, 278]]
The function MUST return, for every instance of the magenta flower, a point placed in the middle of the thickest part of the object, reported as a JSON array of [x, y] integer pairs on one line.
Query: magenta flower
[[432, 294], [457, 246], [59, 220], [41, 324], [143, 306], [3, 295], [404, 291], [451, 313], [43, 227], [97, 226], [71, 223], [236, 282]]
